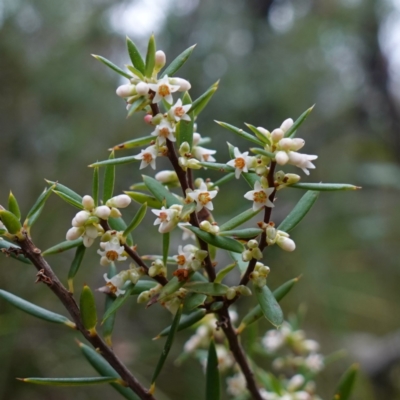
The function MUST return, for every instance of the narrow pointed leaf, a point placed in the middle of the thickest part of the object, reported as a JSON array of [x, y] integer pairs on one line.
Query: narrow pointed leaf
[[217, 166], [119, 301], [269, 306], [105, 369], [256, 313], [193, 300], [346, 384], [112, 66], [177, 62], [228, 177], [259, 134], [63, 246], [28, 223], [225, 271], [168, 343], [39, 202], [239, 219], [76, 263], [135, 72], [108, 325], [71, 381], [137, 105], [299, 211], [201, 102], [87, 306], [134, 55], [109, 180], [35, 310], [247, 233], [118, 224], [241, 133], [250, 178], [208, 288], [10, 221], [115, 161], [166, 239], [130, 144], [231, 150], [142, 286], [95, 186], [13, 206], [137, 219], [150, 57], [171, 287], [240, 263], [160, 192], [12, 250], [262, 152], [142, 198], [185, 322], [184, 130], [69, 200], [213, 384], [292, 131], [217, 241], [324, 186], [65, 190]]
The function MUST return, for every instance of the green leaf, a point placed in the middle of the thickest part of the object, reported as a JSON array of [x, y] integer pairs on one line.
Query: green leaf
[[171, 287], [231, 150], [150, 57], [130, 144], [10, 221], [95, 186], [250, 178], [118, 224], [137, 105], [142, 198], [292, 131], [239, 219], [137, 219], [177, 62], [87, 306], [135, 72], [256, 313], [324, 186], [13, 251], [185, 322], [225, 271], [299, 211], [187, 210], [63, 246], [269, 306], [240, 263], [241, 133], [28, 223], [184, 129], [208, 288], [213, 384], [112, 66], [119, 301], [346, 384], [193, 300], [166, 239], [71, 381], [68, 199], [217, 166], [13, 206], [220, 182], [201, 102], [160, 192], [104, 369], [142, 286], [109, 180], [134, 55], [247, 233], [76, 263], [65, 190], [259, 134], [39, 203], [36, 311], [262, 152], [115, 161], [168, 344], [217, 241]]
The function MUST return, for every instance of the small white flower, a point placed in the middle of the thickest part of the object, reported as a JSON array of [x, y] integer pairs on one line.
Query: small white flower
[[179, 111], [236, 385], [260, 196], [167, 218], [203, 154], [187, 233], [164, 130], [163, 90], [314, 362], [115, 284], [295, 383], [148, 157], [112, 251], [273, 340], [203, 197], [240, 163], [302, 161], [90, 234]]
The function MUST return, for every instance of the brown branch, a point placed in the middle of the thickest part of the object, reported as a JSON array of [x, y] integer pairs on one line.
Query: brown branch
[[34, 255]]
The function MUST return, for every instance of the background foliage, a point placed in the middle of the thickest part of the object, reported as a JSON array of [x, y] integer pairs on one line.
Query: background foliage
[[58, 113]]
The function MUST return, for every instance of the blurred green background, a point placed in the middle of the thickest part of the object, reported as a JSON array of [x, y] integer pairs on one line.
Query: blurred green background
[[275, 58]]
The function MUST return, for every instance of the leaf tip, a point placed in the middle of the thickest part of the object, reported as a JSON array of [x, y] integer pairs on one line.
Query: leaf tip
[[152, 388]]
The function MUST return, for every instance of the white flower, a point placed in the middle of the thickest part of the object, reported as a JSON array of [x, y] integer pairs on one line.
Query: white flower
[[302, 161], [164, 130], [179, 111], [240, 163], [236, 385], [167, 218], [187, 233], [184, 257], [225, 359], [203, 154], [120, 201], [112, 251], [260, 196], [314, 362], [203, 197], [295, 383], [90, 234], [114, 284], [273, 340], [148, 156], [163, 90]]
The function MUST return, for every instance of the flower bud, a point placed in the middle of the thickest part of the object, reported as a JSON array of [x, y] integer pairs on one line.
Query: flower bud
[[91, 232], [126, 90], [196, 138], [264, 131], [256, 253], [295, 383], [81, 217], [286, 243], [74, 233], [285, 144], [157, 119], [287, 124], [247, 255], [252, 244], [120, 201], [277, 135], [194, 164], [142, 88], [264, 271], [215, 229], [243, 290], [160, 60], [148, 119], [102, 212], [292, 178], [88, 202], [184, 149], [281, 157], [144, 297], [206, 226], [231, 293], [115, 213], [184, 85], [297, 144], [166, 176], [182, 161]]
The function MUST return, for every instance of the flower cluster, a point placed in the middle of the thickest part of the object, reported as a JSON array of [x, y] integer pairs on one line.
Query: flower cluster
[[190, 257], [279, 237], [259, 275], [116, 284]]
